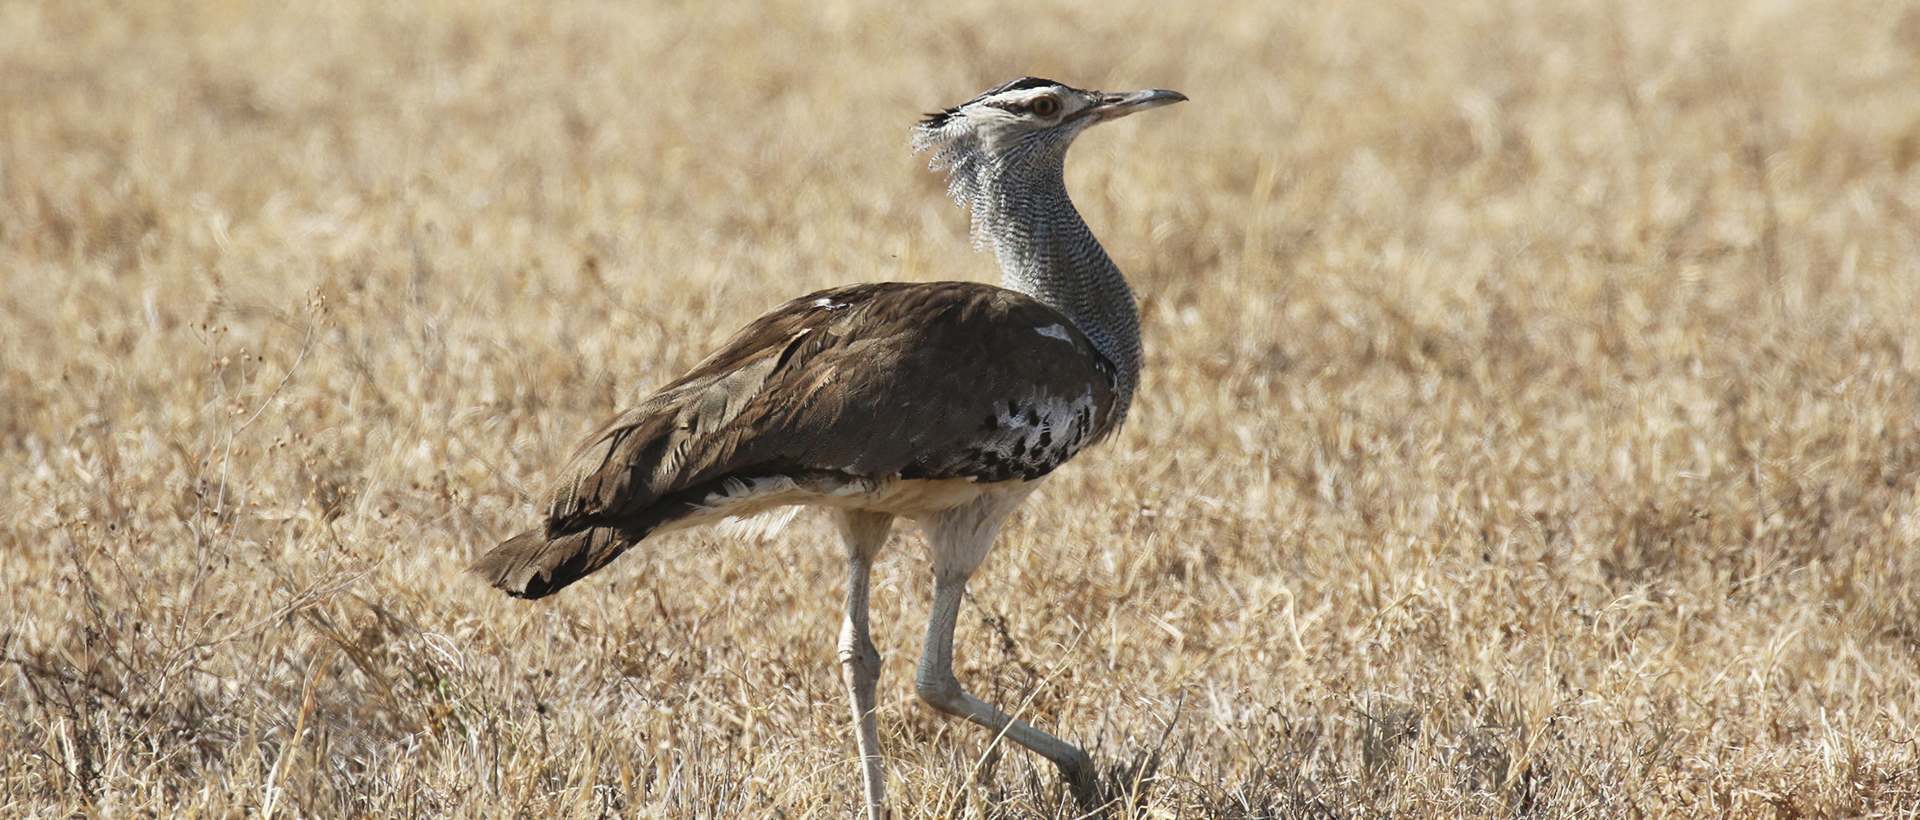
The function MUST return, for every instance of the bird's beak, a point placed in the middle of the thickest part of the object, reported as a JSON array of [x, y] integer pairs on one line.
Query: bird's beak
[[1115, 106]]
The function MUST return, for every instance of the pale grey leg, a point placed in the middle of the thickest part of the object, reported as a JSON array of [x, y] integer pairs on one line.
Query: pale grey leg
[[865, 533], [960, 541]]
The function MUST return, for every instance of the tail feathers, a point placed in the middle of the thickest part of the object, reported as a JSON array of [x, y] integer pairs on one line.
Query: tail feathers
[[532, 565]]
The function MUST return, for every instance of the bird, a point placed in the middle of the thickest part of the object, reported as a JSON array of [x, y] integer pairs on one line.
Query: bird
[[943, 403]]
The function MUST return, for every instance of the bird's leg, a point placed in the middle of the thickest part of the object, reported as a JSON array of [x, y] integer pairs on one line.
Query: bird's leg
[[864, 532], [937, 686], [959, 545]]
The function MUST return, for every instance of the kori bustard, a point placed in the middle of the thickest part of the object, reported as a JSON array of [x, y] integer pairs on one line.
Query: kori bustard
[[945, 403]]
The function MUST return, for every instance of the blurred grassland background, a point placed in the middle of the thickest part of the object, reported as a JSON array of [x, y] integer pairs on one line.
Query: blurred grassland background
[[1530, 427]]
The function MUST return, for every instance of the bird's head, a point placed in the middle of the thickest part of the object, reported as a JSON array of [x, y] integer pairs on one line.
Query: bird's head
[[1026, 124]]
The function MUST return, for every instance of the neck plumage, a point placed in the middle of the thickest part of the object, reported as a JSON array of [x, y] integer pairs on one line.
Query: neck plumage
[[1046, 251]]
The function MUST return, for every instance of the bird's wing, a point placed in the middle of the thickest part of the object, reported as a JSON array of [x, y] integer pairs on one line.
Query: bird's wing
[[935, 380]]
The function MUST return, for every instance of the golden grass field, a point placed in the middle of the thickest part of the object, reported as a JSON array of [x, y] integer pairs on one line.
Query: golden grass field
[[1530, 426]]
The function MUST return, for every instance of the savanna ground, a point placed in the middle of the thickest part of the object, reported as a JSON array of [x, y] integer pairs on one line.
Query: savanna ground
[[1530, 428]]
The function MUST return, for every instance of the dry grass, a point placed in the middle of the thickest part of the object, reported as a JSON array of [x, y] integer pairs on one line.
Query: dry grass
[[1531, 425]]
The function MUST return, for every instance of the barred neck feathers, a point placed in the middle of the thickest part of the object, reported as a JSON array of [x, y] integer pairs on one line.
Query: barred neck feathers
[[1046, 251], [1005, 155]]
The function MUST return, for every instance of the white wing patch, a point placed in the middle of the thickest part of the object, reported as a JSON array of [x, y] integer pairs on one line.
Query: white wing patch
[[759, 527], [751, 507], [1054, 331]]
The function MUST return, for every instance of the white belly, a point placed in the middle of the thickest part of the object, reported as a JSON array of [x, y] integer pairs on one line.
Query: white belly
[[916, 499]]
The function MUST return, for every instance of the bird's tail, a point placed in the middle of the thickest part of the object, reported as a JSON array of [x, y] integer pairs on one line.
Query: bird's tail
[[533, 565]]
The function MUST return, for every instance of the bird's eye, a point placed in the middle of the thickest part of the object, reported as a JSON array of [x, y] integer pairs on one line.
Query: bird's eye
[[1046, 106]]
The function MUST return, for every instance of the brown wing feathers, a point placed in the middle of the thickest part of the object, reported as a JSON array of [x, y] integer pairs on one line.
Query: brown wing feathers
[[940, 380]]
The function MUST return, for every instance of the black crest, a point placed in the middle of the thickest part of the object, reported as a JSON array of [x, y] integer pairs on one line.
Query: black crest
[[939, 119]]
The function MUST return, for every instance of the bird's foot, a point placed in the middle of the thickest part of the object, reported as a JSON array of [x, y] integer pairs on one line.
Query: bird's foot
[[1100, 793]]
